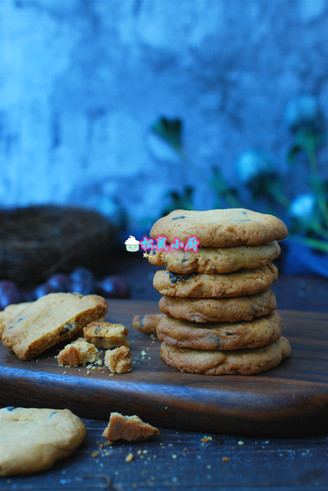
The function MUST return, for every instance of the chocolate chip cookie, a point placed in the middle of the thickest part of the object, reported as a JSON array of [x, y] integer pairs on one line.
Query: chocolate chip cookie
[[243, 362], [244, 282], [32, 440], [219, 309], [220, 336], [220, 228], [211, 260]]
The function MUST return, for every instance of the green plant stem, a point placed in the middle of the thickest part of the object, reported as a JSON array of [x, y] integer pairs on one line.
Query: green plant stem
[[310, 153], [313, 243], [320, 231], [232, 201], [280, 198]]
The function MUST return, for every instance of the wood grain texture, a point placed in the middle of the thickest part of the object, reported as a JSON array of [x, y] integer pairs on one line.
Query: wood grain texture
[[290, 400]]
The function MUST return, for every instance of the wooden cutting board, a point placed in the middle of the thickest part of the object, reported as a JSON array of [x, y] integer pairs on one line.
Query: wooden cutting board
[[290, 400]]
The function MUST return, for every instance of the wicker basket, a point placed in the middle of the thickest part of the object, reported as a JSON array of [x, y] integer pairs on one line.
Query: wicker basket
[[37, 241]]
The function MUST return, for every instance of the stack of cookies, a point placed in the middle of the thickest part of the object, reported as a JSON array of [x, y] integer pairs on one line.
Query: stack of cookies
[[220, 316]]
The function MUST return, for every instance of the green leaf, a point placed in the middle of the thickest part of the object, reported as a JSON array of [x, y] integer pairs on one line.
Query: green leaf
[[219, 183], [307, 139], [170, 130]]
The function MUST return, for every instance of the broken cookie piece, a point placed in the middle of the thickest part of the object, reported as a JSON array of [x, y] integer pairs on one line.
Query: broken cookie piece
[[118, 360], [106, 335], [78, 353], [147, 323], [129, 428], [8, 314], [50, 320]]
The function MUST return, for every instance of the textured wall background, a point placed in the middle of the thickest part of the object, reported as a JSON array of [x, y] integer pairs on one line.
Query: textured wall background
[[83, 80]]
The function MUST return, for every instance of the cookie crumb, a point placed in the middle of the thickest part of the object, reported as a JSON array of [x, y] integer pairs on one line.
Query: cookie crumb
[[129, 428], [207, 439], [118, 360], [76, 353], [240, 443], [129, 457], [106, 335], [95, 454], [225, 459], [174, 456]]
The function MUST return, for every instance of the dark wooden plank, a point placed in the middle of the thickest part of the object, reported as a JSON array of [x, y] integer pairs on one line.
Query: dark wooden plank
[[289, 400], [181, 460]]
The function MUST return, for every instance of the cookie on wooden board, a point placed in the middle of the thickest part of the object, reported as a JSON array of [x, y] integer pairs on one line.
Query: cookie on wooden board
[[220, 336], [211, 260], [244, 282], [219, 309], [106, 334], [146, 323], [118, 360], [79, 352], [50, 320], [220, 228], [243, 362]]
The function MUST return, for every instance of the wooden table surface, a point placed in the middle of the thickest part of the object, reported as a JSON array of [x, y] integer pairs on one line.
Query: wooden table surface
[[181, 460]]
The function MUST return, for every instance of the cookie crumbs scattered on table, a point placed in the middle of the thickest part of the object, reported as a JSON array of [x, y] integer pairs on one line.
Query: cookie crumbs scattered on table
[[95, 454], [129, 457], [207, 439], [225, 459]]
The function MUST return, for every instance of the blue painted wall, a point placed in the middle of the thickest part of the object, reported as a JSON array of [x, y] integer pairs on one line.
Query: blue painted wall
[[82, 81]]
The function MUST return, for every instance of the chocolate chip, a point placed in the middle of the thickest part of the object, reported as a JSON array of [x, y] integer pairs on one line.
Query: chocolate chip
[[10, 408], [218, 343], [175, 278], [52, 414], [10, 327], [178, 218], [228, 333], [69, 327], [19, 320], [243, 212]]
